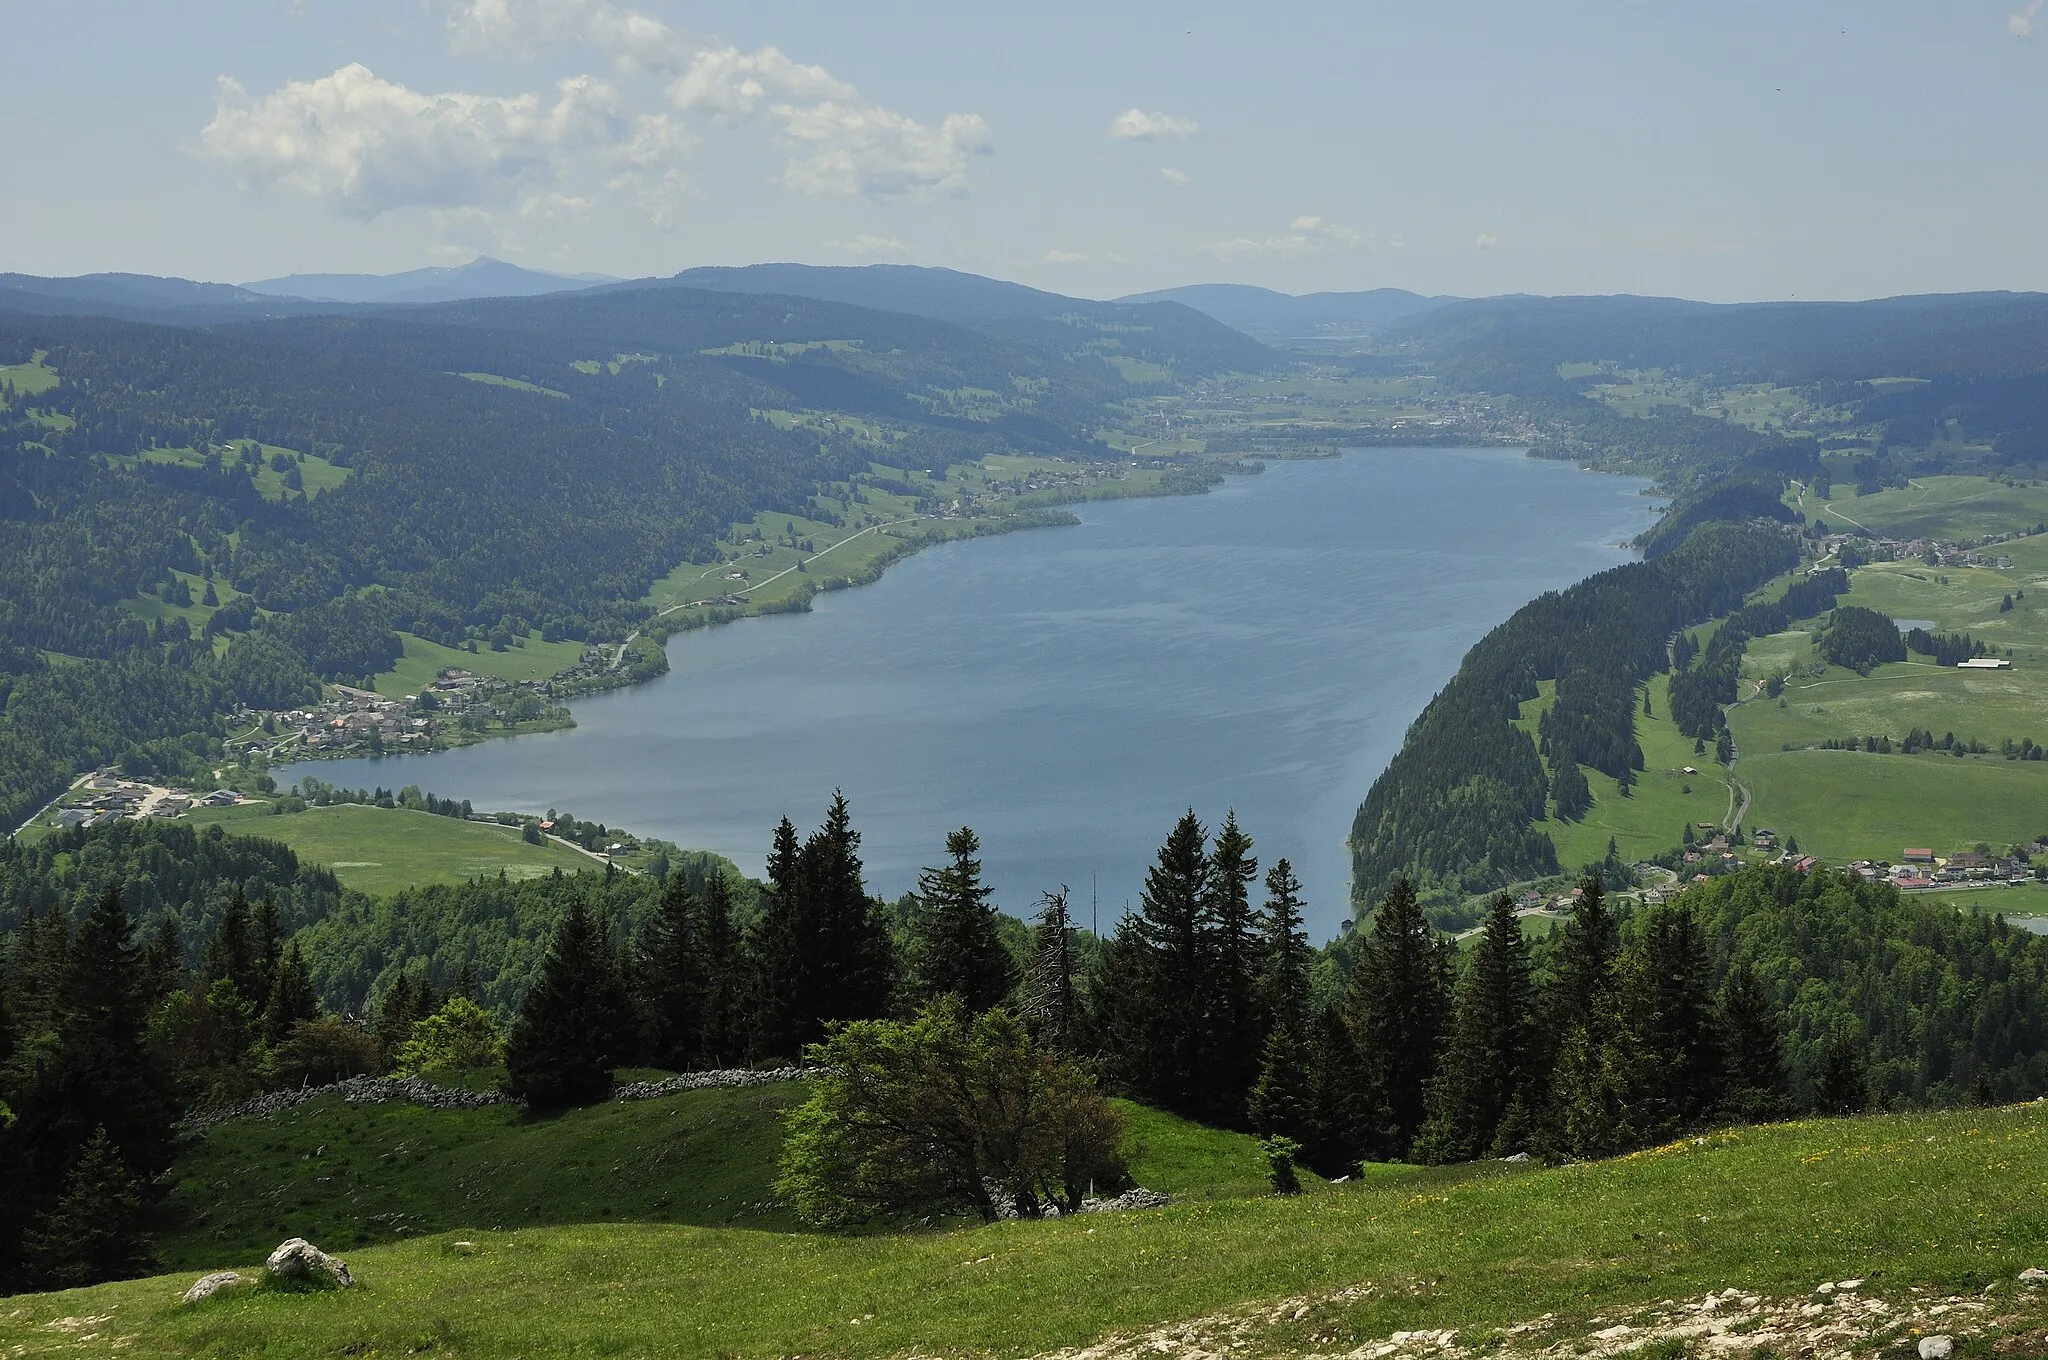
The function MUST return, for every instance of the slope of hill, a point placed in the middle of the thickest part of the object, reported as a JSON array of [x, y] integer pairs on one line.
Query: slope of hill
[[480, 278], [142, 297], [1283, 318], [357, 1175], [1146, 340], [1912, 1210]]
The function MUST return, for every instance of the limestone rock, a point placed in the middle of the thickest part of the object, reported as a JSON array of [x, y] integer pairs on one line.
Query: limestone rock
[[206, 1286], [299, 1259], [2034, 1275], [1936, 1348]]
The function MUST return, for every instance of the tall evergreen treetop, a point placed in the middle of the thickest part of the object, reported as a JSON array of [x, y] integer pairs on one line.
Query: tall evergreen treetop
[[574, 1022], [1232, 1035], [1051, 998], [1398, 1010], [1286, 958], [1488, 1064], [956, 948]]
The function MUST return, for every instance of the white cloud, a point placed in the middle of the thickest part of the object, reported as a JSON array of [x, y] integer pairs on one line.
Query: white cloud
[[2021, 24], [869, 247], [365, 145], [523, 29], [1487, 241], [1304, 236], [1065, 257], [1138, 125], [839, 142], [1178, 178]]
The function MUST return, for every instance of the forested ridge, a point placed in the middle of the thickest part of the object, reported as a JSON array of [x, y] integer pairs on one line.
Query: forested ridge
[[620, 435], [1455, 808]]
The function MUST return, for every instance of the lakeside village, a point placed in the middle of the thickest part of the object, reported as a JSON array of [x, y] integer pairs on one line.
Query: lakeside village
[[1846, 549]]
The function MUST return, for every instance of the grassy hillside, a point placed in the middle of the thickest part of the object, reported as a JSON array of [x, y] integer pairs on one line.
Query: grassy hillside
[[1937, 507], [353, 1175], [380, 850], [1901, 1202]]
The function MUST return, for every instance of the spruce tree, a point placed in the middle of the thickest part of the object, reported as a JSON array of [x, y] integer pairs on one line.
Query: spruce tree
[[231, 952], [1487, 1059], [723, 1036], [163, 964], [1344, 1120], [573, 1022], [1232, 1030], [292, 998], [93, 1231], [956, 947], [1568, 787], [780, 947], [855, 960], [1752, 1039], [668, 984], [1051, 997], [1153, 977], [1674, 1025], [1285, 954], [266, 935], [1580, 1110], [1282, 1103], [1398, 1012], [1841, 1082]]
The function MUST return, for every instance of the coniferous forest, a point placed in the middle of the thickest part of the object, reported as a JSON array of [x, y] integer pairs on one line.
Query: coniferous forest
[[151, 972]]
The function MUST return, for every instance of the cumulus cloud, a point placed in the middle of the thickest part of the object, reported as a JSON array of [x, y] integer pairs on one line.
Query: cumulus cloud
[[523, 29], [1065, 257], [1180, 179], [1304, 236], [869, 247], [1487, 240], [1139, 125], [365, 145], [839, 142], [2022, 24]]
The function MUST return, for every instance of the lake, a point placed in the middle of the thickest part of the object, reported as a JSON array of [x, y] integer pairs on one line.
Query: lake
[[1069, 692]]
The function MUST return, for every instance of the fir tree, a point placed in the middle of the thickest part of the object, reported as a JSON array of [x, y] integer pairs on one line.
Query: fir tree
[[1285, 954], [291, 996], [93, 1232], [1841, 1083], [1665, 1052], [1578, 1006], [723, 1034], [1153, 977], [1344, 1117], [163, 960], [1232, 1030], [855, 963], [956, 947], [1751, 1037], [1398, 1012], [780, 946], [231, 953], [266, 937], [1051, 1000], [1282, 1102], [1569, 789], [573, 1022], [669, 981], [1487, 1059]]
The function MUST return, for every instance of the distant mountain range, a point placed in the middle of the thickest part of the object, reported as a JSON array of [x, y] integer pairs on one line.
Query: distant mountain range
[[1283, 318], [482, 277]]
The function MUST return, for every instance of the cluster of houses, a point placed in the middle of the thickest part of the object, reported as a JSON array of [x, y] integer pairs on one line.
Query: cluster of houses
[[108, 797], [352, 721], [1920, 869], [1938, 552]]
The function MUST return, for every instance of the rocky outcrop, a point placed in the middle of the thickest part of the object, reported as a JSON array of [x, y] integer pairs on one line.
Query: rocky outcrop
[[206, 1286], [297, 1261]]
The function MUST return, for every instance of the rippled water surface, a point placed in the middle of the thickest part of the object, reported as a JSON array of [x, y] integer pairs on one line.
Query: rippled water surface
[[1068, 692]]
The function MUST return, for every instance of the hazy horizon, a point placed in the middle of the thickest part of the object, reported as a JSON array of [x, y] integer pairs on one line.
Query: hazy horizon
[[1743, 153]]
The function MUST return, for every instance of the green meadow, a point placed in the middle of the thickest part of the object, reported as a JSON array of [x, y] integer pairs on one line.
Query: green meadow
[[1845, 805], [423, 662], [31, 379], [1949, 1200], [380, 850], [1651, 818], [1954, 507]]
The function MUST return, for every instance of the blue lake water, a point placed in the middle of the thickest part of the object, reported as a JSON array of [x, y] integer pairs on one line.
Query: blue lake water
[[1068, 692]]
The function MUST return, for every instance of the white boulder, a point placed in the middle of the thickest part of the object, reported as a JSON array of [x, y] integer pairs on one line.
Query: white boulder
[[206, 1286], [299, 1259], [1936, 1348]]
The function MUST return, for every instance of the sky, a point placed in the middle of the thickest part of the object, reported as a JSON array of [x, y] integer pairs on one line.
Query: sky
[[1746, 149]]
